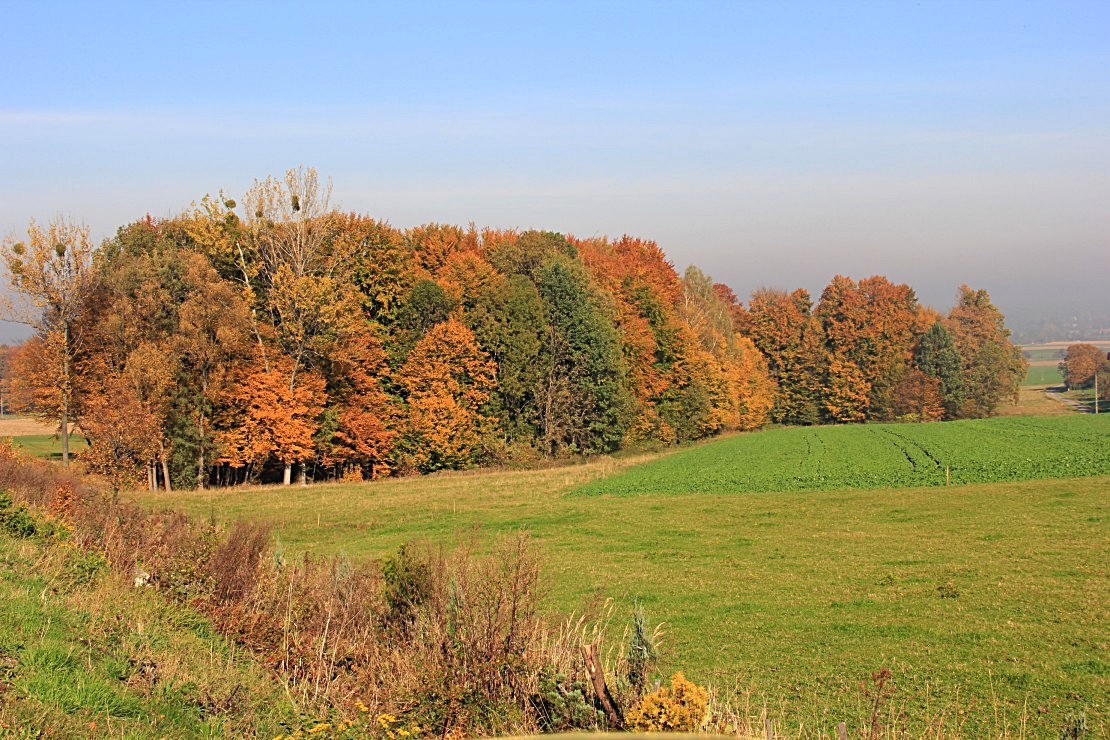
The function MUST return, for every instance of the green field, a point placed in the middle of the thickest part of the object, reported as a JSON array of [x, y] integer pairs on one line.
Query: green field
[[876, 456], [988, 601], [48, 446], [1043, 375], [1035, 355]]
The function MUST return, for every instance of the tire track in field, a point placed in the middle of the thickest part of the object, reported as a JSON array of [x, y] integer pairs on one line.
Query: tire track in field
[[907, 443]]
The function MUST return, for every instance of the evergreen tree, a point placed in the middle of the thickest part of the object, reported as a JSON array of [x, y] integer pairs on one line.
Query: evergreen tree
[[938, 357]]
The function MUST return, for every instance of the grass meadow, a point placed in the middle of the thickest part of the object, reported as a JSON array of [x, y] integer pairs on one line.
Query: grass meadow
[[988, 602]]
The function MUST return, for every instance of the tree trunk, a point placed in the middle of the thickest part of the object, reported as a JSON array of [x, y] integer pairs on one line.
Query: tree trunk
[[165, 465], [288, 473], [65, 397], [601, 691], [151, 477], [200, 435]]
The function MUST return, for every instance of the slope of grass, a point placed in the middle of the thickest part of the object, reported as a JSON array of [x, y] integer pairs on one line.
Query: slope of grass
[[84, 655], [877, 455]]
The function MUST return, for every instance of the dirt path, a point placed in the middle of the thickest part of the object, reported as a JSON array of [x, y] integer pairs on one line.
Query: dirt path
[[1056, 393]]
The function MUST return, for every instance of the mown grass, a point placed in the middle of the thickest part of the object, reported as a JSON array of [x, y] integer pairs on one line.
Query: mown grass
[[1043, 375], [48, 446], [1044, 354], [84, 655], [1034, 401], [988, 602]]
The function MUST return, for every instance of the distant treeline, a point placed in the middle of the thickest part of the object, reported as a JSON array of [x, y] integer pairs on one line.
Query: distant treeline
[[239, 341]]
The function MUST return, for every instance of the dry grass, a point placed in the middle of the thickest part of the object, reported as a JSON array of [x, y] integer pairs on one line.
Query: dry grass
[[1033, 401], [24, 426]]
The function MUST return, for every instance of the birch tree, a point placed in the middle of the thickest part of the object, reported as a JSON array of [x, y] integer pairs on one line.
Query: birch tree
[[52, 278]]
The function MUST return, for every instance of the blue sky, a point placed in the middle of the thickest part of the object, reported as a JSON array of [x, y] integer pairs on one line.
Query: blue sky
[[771, 143]]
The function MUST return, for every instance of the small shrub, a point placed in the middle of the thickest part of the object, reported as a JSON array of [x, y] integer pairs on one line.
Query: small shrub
[[82, 568], [234, 564], [1075, 727], [642, 655], [16, 520], [562, 705], [408, 584], [680, 708]]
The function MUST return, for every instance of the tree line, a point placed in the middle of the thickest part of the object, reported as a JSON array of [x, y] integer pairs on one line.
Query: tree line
[[282, 338]]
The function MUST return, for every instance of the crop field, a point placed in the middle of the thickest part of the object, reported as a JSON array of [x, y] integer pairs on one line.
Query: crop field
[[988, 601], [877, 455]]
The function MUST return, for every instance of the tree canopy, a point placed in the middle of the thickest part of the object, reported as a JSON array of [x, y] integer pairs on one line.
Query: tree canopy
[[252, 341]]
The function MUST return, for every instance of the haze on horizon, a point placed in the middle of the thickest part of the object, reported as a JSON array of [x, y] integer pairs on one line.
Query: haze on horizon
[[770, 144]]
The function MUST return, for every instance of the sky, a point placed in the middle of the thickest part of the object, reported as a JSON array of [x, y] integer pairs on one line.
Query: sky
[[770, 143]]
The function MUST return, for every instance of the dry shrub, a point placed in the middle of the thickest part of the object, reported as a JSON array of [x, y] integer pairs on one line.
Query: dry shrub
[[450, 639], [476, 648], [233, 566]]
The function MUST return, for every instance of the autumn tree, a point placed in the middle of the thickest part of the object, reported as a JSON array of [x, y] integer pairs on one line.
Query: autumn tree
[[267, 416], [366, 419], [1081, 362], [447, 379], [51, 275], [783, 329], [433, 244], [993, 367], [645, 291], [124, 429], [380, 263], [212, 334], [917, 396], [300, 282], [737, 381]]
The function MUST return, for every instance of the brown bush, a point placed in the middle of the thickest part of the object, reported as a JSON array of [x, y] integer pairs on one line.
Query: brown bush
[[233, 566]]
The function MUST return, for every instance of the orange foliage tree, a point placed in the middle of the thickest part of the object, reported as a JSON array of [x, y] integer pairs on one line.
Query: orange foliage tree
[[1081, 362], [447, 379], [870, 325], [365, 431], [266, 415], [646, 292]]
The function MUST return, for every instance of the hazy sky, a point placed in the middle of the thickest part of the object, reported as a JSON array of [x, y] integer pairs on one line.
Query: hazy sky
[[770, 143]]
